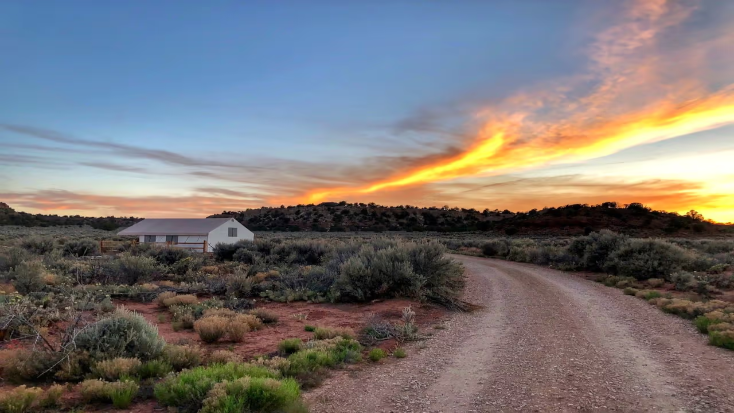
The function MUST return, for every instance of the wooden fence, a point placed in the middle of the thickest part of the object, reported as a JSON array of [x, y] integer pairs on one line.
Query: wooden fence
[[108, 246]]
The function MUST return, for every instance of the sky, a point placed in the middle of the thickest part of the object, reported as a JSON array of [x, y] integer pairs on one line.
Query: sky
[[185, 109]]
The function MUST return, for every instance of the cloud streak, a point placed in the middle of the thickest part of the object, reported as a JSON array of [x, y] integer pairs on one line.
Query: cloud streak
[[628, 97]]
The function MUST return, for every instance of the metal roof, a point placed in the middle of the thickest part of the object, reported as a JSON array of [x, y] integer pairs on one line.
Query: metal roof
[[175, 226]]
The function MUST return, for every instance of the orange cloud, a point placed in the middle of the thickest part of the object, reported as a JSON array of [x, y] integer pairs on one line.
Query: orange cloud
[[631, 96]]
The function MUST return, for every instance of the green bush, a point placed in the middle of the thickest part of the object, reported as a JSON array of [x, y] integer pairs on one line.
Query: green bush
[[309, 328], [309, 360], [399, 353], [123, 334], [646, 258], [28, 277], [131, 269], [81, 247], [703, 323], [723, 339], [188, 389], [249, 394], [267, 317], [595, 249], [630, 291], [181, 356], [290, 345], [377, 354], [38, 245], [154, 369], [122, 393], [114, 369]]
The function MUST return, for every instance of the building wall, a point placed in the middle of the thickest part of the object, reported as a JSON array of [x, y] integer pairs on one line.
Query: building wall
[[220, 234], [161, 239]]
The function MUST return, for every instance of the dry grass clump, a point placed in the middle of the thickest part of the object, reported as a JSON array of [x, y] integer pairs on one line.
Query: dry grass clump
[[322, 333], [221, 312], [211, 329], [116, 368], [27, 399], [253, 322], [224, 357], [236, 329], [120, 393], [182, 356], [186, 299], [20, 365], [648, 294], [655, 282], [275, 363], [267, 317]]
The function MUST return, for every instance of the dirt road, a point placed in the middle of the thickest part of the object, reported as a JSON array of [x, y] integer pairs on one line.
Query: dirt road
[[547, 341]]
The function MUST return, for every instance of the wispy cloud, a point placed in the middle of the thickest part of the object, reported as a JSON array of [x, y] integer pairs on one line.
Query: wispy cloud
[[628, 97]]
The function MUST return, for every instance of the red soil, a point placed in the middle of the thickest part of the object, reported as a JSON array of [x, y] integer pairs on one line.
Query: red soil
[[266, 341]]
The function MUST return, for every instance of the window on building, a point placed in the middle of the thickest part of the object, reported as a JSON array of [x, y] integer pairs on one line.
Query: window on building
[[150, 238], [232, 232], [172, 239]]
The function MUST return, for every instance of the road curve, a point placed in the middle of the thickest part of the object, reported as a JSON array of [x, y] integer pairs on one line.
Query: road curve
[[546, 341]]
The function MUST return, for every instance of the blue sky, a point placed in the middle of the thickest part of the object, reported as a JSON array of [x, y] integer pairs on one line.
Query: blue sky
[[276, 99]]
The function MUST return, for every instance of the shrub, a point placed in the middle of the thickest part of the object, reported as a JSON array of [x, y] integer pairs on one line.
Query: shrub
[[81, 247], [28, 277], [309, 328], [399, 353], [324, 333], [237, 328], [123, 334], [26, 365], [595, 249], [309, 360], [160, 300], [114, 369], [38, 245], [290, 345], [239, 285], [267, 317], [182, 356], [723, 339], [211, 329], [655, 282], [703, 323], [20, 400], [646, 258], [630, 291], [224, 357], [130, 269], [648, 294], [188, 389], [168, 255], [154, 369], [187, 299], [122, 393], [683, 281], [377, 354], [252, 395]]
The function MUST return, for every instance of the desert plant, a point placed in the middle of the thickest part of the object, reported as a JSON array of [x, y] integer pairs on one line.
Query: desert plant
[[236, 329], [324, 333], [28, 277], [188, 389], [646, 258], [224, 357], [22, 365], [160, 300], [154, 369], [240, 285], [38, 245], [130, 269], [267, 317], [186, 299], [123, 334], [399, 353], [20, 400], [377, 354], [723, 339], [252, 395], [211, 329], [81, 247], [630, 291], [655, 282], [121, 393], [309, 328], [114, 369], [182, 356], [290, 345]]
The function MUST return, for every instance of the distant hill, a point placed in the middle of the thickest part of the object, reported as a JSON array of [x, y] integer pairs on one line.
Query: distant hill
[[8, 216], [633, 219]]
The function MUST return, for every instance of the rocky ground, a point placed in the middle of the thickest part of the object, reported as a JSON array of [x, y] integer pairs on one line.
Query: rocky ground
[[546, 341]]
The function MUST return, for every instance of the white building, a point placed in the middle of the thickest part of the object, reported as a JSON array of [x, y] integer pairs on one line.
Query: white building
[[196, 234]]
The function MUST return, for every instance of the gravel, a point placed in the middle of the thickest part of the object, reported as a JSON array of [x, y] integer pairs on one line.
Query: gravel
[[546, 341]]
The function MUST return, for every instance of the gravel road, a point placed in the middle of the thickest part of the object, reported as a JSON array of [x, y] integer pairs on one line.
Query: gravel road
[[547, 341]]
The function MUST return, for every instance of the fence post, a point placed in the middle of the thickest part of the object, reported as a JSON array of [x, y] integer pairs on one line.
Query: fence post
[[204, 248], [101, 246]]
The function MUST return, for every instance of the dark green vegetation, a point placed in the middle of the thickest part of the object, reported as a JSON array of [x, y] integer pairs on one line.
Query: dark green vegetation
[[8, 216], [634, 219]]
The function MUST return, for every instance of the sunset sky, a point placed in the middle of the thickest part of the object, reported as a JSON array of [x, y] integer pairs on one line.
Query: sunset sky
[[185, 109]]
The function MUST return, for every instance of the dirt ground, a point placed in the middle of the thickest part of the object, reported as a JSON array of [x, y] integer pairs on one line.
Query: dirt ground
[[546, 341]]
